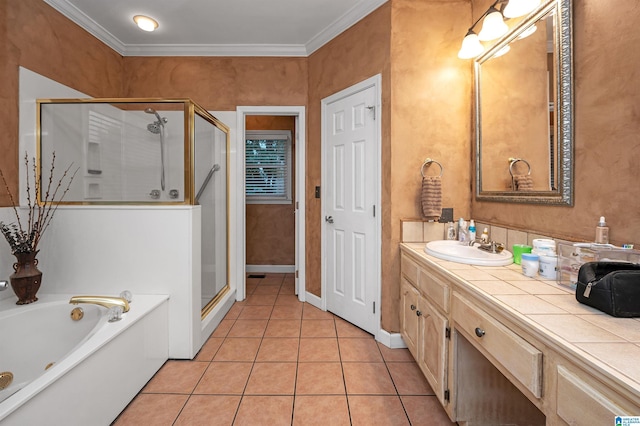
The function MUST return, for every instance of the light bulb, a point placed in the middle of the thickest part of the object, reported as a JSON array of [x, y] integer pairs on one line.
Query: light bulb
[[471, 46], [145, 23], [493, 26], [516, 8]]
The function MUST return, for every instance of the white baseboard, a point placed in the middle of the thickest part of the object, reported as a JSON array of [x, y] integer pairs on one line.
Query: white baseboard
[[271, 269], [390, 340]]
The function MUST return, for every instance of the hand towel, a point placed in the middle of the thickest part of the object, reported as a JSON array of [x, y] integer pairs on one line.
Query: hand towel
[[431, 197], [522, 183]]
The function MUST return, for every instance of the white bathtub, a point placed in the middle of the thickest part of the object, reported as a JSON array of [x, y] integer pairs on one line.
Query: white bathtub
[[98, 367]]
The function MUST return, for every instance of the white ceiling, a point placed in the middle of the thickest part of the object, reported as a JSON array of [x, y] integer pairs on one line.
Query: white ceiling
[[217, 27]]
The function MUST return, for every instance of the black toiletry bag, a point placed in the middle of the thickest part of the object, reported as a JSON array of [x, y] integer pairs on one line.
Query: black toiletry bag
[[612, 287]]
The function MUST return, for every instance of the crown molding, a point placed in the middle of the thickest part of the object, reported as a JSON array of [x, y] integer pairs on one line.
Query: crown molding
[[351, 17], [83, 20], [215, 50]]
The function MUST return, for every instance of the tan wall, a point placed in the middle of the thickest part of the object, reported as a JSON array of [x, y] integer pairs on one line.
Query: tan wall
[[355, 55], [430, 115], [218, 83], [35, 36], [270, 237], [607, 148]]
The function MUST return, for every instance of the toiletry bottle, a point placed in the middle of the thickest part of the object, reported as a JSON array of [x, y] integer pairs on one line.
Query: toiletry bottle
[[472, 231], [451, 231], [485, 236], [602, 232], [462, 231]]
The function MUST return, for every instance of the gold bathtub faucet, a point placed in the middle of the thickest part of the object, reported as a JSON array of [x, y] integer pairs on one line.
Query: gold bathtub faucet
[[106, 301]]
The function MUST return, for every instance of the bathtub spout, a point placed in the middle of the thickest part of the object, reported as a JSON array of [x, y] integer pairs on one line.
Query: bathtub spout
[[106, 301]]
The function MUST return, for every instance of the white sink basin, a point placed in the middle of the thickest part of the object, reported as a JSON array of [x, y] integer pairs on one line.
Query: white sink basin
[[456, 252]]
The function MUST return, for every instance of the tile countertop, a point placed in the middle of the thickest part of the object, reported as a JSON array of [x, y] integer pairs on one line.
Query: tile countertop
[[609, 344]]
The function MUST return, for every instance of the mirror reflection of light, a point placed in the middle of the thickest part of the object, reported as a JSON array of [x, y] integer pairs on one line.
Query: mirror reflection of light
[[502, 51], [526, 33]]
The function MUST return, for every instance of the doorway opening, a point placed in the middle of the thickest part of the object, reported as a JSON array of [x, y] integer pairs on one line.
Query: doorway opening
[[271, 197]]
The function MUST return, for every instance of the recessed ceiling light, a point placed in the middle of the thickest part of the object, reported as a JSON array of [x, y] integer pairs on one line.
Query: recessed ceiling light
[[145, 23]]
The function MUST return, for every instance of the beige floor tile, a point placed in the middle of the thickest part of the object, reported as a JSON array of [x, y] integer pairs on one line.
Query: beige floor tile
[[283, 349], [209, 349], [395, 355], [265, 411], [320, 378], [283, 328], [152, 409], [288, 288], [346, 329], [321, 410], [319, 350], [228, 378], [223, 328], [311, 312], [359, 350], [261, 299], [233, 312], [248, 328], [238, 349], [318, 328], [425, 411], [367, 378], [272, 378], [287, 312], [200, 410], [255, 312], [409, 379], [287, 299], [376, 410], [176, 377], [267, 289]]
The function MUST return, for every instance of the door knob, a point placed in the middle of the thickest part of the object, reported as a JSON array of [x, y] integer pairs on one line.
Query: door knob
[[328, 219], [479, 332]]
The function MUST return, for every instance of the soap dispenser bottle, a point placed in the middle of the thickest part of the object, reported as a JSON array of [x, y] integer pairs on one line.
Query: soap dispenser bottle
[[472, 231], [602, 232]]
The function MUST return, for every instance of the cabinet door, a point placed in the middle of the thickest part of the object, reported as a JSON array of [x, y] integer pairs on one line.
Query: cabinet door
[[432, 350], [408, 317]]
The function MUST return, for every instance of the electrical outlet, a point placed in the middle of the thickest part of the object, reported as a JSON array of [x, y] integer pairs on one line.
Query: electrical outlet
[[447, 215]]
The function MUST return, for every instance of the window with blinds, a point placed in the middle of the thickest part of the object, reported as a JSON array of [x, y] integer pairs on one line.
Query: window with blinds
[[268, 166]]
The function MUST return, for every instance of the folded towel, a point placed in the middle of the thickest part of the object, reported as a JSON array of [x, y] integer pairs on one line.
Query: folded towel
[[522, 183], [431, 197]]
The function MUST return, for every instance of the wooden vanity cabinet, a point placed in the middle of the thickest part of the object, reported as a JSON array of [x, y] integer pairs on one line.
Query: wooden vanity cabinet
[[424, 324], [488, 365]]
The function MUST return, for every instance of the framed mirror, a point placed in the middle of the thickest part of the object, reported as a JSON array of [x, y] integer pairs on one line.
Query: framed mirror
[[524, 111]]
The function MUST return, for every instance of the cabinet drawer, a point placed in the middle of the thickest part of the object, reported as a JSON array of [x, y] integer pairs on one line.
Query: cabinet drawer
[[519, 358], [435, 289], [409, 269], [580, 403]]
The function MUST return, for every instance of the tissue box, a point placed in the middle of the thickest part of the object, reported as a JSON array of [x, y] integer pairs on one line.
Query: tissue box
[[571, 257]]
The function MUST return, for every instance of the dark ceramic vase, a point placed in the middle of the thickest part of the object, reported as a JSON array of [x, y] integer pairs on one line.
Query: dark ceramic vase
[[27, 278]]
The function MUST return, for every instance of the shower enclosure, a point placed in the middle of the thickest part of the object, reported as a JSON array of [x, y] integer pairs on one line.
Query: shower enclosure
[[149, 152]]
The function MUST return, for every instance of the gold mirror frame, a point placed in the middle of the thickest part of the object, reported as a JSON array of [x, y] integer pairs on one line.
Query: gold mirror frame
[[563, 59]]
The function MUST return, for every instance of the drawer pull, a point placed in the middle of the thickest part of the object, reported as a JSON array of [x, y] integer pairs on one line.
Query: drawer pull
[[418, 313], [413, 307], [479, 332]]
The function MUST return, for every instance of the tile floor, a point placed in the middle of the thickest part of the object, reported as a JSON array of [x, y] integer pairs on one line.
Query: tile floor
[[276, 361]]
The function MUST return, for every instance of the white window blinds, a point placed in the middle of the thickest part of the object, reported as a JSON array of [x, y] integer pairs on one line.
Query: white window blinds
[[268, 166]]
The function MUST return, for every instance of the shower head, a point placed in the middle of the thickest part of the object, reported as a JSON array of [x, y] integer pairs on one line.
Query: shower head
[[155, 126]]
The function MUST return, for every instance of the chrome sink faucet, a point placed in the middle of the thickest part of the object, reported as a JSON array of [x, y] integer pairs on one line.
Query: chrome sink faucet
[[4, 285]]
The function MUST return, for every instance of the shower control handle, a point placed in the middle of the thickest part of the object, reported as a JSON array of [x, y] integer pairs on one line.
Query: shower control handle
[[4, 285], [328, 219]]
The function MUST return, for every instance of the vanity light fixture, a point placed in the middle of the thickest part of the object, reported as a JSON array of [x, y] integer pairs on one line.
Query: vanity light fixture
[[526, 33], [493, 26], [145, 23], [516, 8]]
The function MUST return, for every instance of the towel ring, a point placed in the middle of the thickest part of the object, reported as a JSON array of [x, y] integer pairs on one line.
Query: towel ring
[[514, 161], [428, 162]]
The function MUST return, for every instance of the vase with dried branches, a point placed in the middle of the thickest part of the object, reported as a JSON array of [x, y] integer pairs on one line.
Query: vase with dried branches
[[24, 236]]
